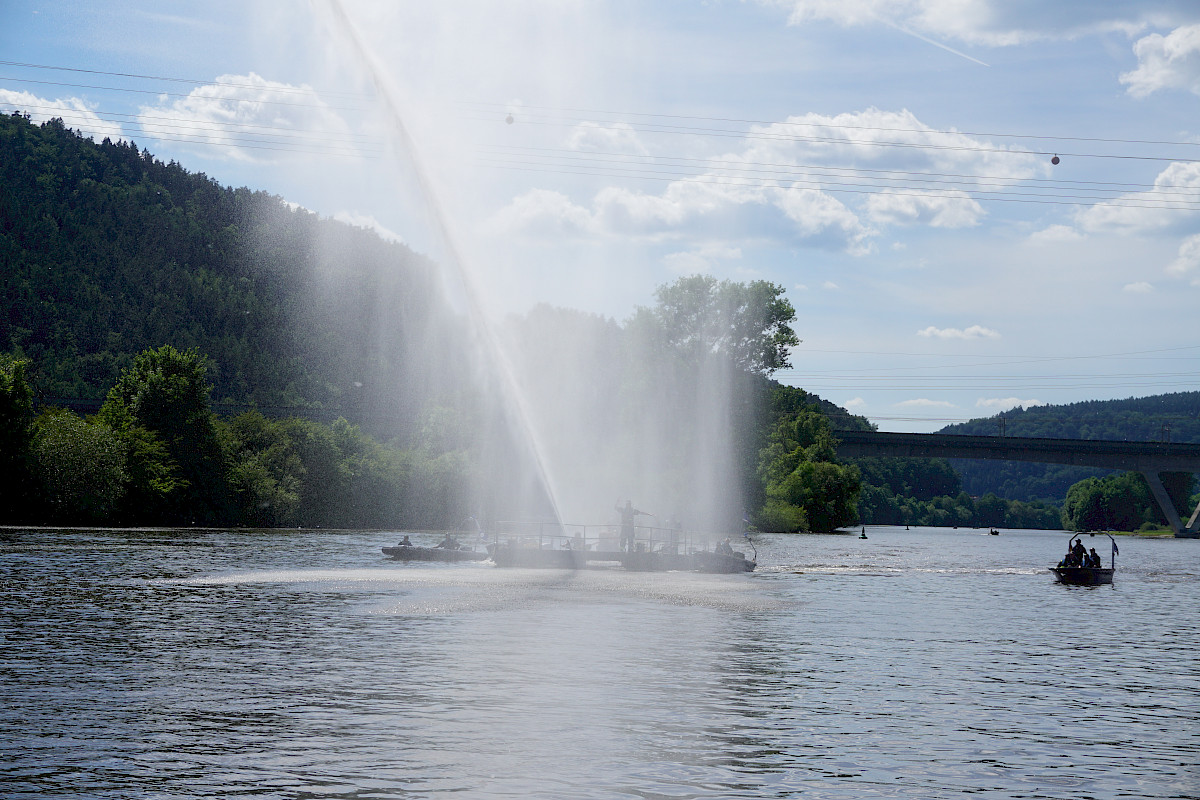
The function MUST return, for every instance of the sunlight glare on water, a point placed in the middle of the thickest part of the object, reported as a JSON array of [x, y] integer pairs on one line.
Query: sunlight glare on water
[[923, 663]]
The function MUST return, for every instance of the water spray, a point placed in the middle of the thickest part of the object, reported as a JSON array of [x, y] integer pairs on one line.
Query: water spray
[[514, 403]]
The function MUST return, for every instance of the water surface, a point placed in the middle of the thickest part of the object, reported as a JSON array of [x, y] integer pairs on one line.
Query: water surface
[[920, 663]]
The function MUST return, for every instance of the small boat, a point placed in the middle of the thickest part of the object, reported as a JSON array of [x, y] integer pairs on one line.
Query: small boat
[[1073, 572], [722, 562], [408, 552], [1084, 576]]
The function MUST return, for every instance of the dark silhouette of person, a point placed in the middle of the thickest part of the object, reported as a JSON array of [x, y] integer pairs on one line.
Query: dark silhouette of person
[[628, 516], [406, 542]]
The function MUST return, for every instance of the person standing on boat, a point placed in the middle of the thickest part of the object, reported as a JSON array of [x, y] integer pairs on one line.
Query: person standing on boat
[[629, 514]]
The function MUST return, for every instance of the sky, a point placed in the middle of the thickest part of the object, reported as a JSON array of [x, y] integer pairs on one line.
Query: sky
[[889, 164]]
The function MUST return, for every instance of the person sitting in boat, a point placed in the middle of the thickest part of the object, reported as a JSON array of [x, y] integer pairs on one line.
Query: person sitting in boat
[[405, 542], [724, 548], [449, 543], [1093, 558]]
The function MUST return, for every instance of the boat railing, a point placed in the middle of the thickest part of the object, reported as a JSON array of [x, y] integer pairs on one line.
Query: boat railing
[[603, 538]]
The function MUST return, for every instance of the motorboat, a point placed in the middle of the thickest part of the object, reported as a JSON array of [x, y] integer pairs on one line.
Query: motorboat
[[410, 552], [1075, 569]]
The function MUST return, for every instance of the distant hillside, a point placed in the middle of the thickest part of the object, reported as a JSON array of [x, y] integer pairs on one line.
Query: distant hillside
[[1160, 417], [105, 252]]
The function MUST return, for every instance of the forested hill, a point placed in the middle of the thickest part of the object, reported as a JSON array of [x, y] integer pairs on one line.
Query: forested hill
[[1157, 418], [105, 252], [1146, 419]]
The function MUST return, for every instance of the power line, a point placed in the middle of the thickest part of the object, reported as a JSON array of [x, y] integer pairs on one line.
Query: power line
[[845, 140], [1011, 197], [192, 81], [966, 180], [159, 93], [197, 132], [504, 107], [183, 123]]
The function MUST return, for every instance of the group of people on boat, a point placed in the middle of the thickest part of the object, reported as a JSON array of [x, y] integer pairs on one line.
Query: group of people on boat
[[1079, 556], [447, 543]]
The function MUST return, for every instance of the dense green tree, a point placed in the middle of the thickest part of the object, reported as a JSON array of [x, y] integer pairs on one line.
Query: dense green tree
[[81, 466], [1121, 502], [16, 440], [804, 487], [749, 323], [266, 471], [165, 392]]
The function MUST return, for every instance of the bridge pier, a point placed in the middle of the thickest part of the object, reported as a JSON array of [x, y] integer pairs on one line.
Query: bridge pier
[[1159, 491]]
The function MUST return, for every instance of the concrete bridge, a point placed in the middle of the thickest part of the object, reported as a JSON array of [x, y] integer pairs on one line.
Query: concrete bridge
[[1149, 458]]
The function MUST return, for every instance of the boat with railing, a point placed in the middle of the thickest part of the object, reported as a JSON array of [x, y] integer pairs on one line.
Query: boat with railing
[[1081, 568], [554, 545]]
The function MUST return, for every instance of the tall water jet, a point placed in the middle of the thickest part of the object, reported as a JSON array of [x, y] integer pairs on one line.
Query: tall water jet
[[647, 410], [513, 407]]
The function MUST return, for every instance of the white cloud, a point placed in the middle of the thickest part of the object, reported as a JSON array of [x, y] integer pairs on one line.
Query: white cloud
[[73, 111], [816, 214], [1055, 234], [541, 211], [1166, 62], [701, 260], [973, 332], [1151, 210], [1140, 287], [1188, 259], [924, 402], [1006, 403], [800, 287], [874, 138], [369, 222], [992, 23], [953, 209], [782, 183], [620, 138], [857, 402], [249, 118], [829, 285]]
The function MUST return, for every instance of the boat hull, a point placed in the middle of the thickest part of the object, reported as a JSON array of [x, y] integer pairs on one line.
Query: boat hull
[[412, 553], [1083, 576], [637, 561]]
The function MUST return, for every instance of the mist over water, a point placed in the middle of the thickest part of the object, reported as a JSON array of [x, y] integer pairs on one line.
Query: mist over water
[[583, 413]]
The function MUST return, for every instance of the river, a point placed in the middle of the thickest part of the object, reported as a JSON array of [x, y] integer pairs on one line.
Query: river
[[923, 663]]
